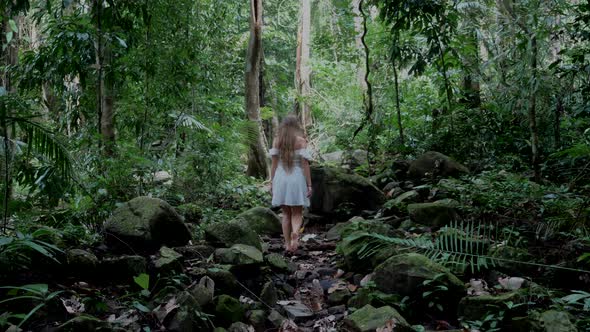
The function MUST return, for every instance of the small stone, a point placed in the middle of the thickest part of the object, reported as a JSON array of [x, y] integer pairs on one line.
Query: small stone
[[269, 294], [239, 254], [297, 311], [257, 318], [277, 262], [204, 291], [81, 262], [228, 309], [167, 260], [339, 296], [276, 319], [369, 318], [123, 267], [340, 309], [240, 327]]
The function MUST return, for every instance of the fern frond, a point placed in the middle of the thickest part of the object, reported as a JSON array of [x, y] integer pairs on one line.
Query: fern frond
[[249, 132]]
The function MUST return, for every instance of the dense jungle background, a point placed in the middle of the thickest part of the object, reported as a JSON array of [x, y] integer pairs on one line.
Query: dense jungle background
[[451, 172]]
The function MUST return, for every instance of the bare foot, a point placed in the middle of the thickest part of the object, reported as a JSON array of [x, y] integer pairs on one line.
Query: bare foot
[[294, 241]]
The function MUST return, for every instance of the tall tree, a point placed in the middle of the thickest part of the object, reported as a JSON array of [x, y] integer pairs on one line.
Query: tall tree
[[303, 70], [257, 163]]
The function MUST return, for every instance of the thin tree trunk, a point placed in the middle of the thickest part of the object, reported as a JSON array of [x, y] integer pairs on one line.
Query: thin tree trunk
[[397, 103], [257, 163], [559, 110], [358, 29], [533, 113], [303, 71]]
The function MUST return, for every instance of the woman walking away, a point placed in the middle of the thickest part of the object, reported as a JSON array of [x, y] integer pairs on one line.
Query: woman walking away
[[290, 178]]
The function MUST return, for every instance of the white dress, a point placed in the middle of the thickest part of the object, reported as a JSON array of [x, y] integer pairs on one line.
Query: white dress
[[290, 187]]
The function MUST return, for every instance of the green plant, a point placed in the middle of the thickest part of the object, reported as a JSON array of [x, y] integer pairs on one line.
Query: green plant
[[435, 292], [38, 294], [16, 250]]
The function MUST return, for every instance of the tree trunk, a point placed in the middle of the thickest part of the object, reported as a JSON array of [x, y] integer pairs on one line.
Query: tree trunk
[[10, 57], [559, 110], [533, 113], [104, 86], [303, 70], [471, 87], [257, 163]]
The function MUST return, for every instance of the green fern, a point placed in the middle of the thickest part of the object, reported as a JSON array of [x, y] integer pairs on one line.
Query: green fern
[[249, 132], [460, 245]]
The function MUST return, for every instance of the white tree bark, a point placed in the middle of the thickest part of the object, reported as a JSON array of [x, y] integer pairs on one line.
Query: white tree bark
[[303, 68]]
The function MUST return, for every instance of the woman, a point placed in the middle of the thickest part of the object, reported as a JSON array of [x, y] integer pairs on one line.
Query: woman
[[290, 178]]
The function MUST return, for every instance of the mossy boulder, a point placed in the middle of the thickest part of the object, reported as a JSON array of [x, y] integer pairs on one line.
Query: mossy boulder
[[435, 164], [477, 307], [404, 274], [123, 267], [233, 232], [239, 254], [437, 214], [262, 221], [548, 321], [369, 318], [145, 224], [228, 309], [349, 194]]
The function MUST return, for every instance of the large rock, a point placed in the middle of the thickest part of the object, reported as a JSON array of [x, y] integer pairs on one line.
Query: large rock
[[146, 223], [262, 221], [369, 318], [335, 190], [233, 232], [404, 274], [435, 164], [437, 214], [123, 267]]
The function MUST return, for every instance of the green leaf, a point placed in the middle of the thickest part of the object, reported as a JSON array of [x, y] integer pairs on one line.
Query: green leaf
[[143, 280], [13, 26], [9, 36], [141, 307]]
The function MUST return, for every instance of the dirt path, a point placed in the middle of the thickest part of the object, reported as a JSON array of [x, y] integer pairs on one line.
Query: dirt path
[[317, 290]]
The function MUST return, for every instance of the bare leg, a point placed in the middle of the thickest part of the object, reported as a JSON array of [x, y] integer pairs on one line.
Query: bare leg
[[287, 227], [296, 222]]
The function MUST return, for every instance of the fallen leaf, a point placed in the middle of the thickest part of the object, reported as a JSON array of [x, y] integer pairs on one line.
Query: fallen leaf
[[366, 279], [73, 305], [352, 287], [388, 327], [308, 237], [161, 312], [339, 274], [289, 326]]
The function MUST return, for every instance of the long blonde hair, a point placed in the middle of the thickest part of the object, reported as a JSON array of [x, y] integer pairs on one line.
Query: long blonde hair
[[288, 132]]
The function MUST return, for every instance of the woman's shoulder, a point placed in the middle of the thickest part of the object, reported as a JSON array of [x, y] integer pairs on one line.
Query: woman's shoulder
[[300, 143]]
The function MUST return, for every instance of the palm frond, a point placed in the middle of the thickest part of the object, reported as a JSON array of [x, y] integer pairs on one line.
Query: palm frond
[[249, 132], [43, 142], [189, 121]]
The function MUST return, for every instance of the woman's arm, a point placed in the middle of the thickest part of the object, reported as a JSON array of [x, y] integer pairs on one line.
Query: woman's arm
[[307, 173]]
